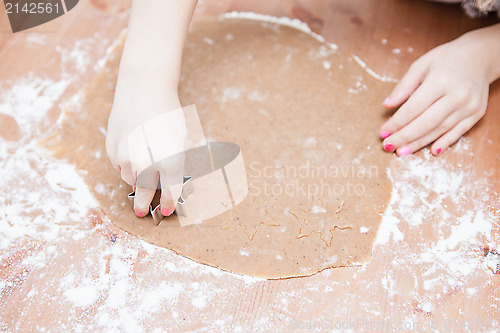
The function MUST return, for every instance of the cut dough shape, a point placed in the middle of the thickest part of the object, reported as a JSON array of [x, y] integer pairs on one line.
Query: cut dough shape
[[306, 118]]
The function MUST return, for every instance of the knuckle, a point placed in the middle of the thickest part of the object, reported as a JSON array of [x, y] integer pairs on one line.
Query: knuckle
[[462, 96], [399, 120], [427, 126], [474, 103], [141, 202], [141, 207], [442, 81], [167, 203], [417, 144], [127, 177], [122, 158], [400, 139], [443, 127], [404, 139], [409, 113], [418, 64], [478, 114], [475, 107]]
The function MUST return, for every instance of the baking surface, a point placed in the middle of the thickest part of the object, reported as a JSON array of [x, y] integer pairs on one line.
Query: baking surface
[[316, 194], [64, 267]]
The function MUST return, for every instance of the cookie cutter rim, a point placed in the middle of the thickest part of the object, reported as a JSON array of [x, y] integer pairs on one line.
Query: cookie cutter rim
[[156, 213]]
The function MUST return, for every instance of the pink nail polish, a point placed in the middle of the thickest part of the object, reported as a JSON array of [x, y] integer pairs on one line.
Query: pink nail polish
[[138, 213], [384, 134], [438, 151], [388, 147], [165, 212], [404, 151], [387, 100]]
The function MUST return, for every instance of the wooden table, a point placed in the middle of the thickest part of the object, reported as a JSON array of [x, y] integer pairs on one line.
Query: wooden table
[[94, 277]]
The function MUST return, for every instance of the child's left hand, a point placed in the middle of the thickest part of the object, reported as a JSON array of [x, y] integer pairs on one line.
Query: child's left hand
[[443, 94]]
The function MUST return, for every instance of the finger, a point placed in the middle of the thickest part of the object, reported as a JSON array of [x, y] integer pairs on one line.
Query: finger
[[167, 199], [147, 184], [127, 174], [437, 132], [171, 175], [420, 100], [142, 200], [434, 117], [408, 84], [116, 166], [453, 135]]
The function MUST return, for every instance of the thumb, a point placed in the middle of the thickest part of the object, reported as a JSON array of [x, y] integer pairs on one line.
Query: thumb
[[147, 182], [408, 84]]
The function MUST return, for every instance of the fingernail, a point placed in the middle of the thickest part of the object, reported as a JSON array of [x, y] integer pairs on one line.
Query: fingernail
[[438, 151], [404, 151], [384, 134], [138, 213], [388, 147], [166, 212], [387, 100]]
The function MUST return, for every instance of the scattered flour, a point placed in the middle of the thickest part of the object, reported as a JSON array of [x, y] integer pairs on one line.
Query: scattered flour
[[286, 21], [81, 296], [28, 100], [125, 284], [364, 230], [318, 209], [371, 72], [230, 93], [445, 229]]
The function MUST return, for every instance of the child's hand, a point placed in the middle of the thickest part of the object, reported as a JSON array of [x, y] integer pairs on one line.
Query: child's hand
[[147, 88], [134, 104], [443, 94]]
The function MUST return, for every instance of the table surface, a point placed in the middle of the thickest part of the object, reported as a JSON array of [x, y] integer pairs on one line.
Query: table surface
[[91, 275]]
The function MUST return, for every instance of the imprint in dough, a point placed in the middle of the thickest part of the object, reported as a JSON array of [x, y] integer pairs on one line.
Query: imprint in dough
[[306, 118]]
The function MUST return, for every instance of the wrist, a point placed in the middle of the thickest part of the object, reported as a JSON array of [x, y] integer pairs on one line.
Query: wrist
[[486, 42], [147, 75], [151, 65]]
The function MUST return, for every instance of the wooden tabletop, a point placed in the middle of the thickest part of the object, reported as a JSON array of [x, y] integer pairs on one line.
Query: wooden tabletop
[[92, 276]]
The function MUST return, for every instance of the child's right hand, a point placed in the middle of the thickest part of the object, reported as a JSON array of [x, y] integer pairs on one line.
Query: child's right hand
[[147, 88], [137, 101]]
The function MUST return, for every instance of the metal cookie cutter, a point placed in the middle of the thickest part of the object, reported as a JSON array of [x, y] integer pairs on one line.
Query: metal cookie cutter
[[187, 189]]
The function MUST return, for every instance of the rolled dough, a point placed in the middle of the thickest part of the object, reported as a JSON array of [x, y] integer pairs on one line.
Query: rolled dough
[[306, 118]]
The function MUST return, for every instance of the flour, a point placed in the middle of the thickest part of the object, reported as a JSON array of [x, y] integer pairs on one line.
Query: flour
[[426, 189], [62, 197], [36, 38], [81, 296], [29, 99], [371, 72], [230, 93], [285, 21], [77, 57], [129, 285]]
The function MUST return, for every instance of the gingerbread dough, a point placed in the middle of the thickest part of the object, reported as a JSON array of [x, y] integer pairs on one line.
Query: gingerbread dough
[[306, 118]]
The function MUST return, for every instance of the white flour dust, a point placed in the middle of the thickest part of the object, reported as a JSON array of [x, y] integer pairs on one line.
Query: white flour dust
[[56, 249], [443, 222]]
